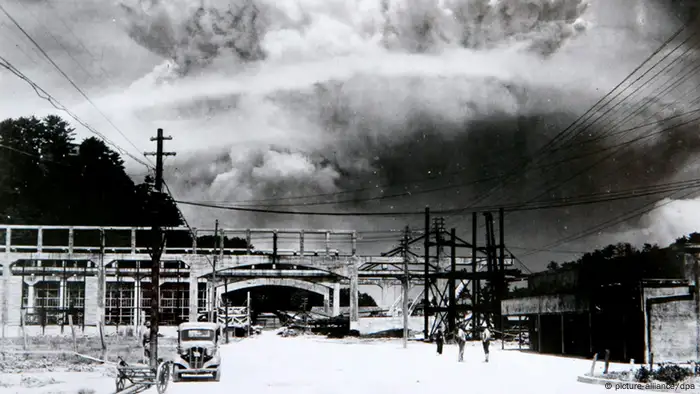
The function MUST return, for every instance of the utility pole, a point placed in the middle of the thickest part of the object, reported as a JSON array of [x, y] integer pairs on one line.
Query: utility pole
[[250, 322], [406, 282], [157, 246], [213, 272], [696, 275], [426, 278]]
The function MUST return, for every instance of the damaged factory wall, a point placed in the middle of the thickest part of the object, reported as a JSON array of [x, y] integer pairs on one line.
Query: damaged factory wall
[[672, 323]]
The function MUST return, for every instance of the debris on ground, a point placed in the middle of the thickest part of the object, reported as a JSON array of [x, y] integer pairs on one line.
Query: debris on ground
[[289, 332], [35, 382]]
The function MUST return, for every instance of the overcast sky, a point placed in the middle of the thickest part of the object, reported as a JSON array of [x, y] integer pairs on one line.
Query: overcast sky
[[268, 99]]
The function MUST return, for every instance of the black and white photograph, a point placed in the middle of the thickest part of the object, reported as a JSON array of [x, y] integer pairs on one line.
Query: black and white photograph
[[349, 196]]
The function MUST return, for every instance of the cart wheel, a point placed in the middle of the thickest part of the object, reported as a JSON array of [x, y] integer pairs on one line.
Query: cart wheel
[[162, 377], [120, 384]]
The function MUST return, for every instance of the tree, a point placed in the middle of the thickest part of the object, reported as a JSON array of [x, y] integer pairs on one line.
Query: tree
[[363, 299], [625, 265], [34, 167], [45, 178]]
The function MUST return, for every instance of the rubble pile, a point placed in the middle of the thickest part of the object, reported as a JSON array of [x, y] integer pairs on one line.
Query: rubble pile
[[35, 382]]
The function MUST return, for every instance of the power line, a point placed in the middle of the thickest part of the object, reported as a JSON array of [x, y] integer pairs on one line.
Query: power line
[[409, 193], [519, 261], [587, 115], [615, 149], [602, 116], [80, 42], [659, 93], [609, 131], [57, 41], [618, 147], [82, 93], [25, 153], [485, 179], [57, 104], [559, 203], [612, 222], [547, 250]]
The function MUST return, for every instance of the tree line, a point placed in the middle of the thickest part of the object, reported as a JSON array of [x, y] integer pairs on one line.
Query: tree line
[[621, 264], [47, 178]]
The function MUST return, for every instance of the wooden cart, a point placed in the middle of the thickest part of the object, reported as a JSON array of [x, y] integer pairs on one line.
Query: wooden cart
[[138, 378]]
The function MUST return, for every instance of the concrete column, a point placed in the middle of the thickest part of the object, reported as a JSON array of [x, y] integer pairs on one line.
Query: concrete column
[[61, 293], [208, 297], [31, 297], [101, 280], [3, 295], [336, 299], [563, 342], [91, 310], [136, 312], [539, 333], [101, 292], [194, 286], [6, 276], [326, 299], [387, 290], [354, 306], [14, 299], [31, 292]]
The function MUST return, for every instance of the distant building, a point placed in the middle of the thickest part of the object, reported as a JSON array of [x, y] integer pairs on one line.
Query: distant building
[[571, 314]]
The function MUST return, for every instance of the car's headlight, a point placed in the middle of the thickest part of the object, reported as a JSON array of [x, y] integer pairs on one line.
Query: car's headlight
[[211, 351]]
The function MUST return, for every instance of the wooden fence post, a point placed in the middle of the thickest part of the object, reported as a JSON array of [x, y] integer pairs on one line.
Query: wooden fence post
[[72, 330], [595, 358], [102, 340], [23, 322]]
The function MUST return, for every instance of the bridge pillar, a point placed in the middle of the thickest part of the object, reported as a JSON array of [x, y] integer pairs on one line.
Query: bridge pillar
[[13, 302], [136, 314], [354, 305], [336, 299], [31, 292], [95, 306], [194, 293], [6, 275]]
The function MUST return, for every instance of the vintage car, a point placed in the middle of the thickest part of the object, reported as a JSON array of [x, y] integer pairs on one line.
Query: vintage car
[[198, 351]]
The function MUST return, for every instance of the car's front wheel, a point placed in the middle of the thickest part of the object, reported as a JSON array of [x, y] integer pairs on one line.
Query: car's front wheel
[[176, 374]]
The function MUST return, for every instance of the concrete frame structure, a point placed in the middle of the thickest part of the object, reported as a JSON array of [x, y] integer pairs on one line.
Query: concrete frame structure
[[104, 264], [661, 323], [323, 289]]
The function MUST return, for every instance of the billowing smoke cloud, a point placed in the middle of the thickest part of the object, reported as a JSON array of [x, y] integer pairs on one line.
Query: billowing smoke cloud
[[271, 99], [193, 34]]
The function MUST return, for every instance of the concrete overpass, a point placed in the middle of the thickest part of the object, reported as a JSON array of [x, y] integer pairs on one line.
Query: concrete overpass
[[322, 260]]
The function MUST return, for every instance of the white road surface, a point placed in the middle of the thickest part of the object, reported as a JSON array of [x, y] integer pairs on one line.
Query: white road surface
[[315, 365]]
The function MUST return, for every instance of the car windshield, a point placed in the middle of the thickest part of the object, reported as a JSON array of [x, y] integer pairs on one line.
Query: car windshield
[[197, 334]]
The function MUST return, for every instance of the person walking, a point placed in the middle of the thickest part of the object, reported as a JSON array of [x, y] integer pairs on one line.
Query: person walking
[[146, 342], [461, 342], [439, 340], [485, 341]]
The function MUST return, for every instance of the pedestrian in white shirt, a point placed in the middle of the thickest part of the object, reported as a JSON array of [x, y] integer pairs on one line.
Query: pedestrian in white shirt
[[485, 341], [461, 338]]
